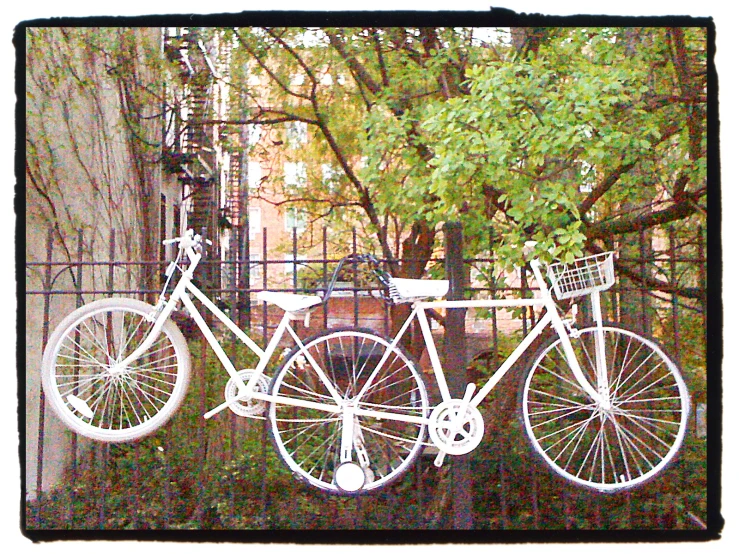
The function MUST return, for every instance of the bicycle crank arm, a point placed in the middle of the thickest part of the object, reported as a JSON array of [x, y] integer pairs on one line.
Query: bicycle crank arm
[[439, 460]]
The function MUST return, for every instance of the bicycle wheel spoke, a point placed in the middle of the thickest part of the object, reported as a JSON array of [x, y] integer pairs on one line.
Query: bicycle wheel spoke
[[613, 445], [129, 336], [96, 341], [124, 402], [634, 452], [559, 375], [591, 454], [573, 432], [87, 355], [562, 413], [310, 442], [645, 387]]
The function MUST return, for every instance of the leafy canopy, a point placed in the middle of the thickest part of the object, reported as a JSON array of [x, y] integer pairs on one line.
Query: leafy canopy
[[567, 137]]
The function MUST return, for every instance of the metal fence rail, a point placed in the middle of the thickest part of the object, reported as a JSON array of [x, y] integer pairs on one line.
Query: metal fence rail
[[223, 474]]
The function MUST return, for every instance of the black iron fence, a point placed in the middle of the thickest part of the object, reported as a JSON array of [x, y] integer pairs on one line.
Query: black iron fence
[[222, 474]]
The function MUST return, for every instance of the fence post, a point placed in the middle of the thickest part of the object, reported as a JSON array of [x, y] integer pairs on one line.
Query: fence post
[[45, 337], [455, 359]]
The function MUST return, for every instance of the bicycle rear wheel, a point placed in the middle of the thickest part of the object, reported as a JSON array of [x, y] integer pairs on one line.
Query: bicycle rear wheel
[[110, 405], [606, 448], [309, 440]]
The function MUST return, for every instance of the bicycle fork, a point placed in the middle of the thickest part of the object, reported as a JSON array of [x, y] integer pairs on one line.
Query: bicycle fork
[[600, 352], [600, 396]]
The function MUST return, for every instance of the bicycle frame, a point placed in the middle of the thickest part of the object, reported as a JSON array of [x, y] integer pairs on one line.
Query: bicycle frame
[[184, 288], [550, 317]]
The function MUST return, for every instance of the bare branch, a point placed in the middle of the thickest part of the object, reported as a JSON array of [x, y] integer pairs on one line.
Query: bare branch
[[361, 73], [647, 220]]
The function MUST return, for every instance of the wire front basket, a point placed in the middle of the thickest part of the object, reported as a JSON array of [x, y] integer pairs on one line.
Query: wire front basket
[[583, 276]]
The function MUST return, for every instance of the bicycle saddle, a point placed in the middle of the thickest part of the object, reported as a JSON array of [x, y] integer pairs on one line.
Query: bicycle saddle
[[288, 301]]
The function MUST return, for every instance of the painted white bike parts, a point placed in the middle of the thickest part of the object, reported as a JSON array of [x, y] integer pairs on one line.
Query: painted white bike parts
[[349, 477], [614, 445], [456, 427], [89, 389], [287, 301], [409, 290], [250, 407], [310, 440]]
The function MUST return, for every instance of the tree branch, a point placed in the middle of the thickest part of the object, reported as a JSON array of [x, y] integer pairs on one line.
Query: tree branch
[[624, 225], [356, 68], [635, 275], [285, 87]]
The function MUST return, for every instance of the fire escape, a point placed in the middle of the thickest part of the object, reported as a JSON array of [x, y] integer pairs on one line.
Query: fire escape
[[192, 156]]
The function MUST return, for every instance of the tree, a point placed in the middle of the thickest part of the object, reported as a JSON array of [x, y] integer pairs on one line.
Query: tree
[[568, 136]]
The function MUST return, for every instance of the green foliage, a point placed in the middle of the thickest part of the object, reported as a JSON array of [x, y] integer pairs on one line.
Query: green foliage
[[591, 134], [536, 130]]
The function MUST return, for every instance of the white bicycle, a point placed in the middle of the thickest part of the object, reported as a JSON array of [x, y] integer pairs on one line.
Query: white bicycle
[[348, 409]]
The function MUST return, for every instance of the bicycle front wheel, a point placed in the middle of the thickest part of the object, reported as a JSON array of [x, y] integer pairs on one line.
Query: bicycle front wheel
[[309, 440], [96, 398], [612, 446]]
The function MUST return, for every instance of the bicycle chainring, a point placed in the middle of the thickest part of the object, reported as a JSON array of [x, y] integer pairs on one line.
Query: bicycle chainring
[[469, 432], [250, 407]]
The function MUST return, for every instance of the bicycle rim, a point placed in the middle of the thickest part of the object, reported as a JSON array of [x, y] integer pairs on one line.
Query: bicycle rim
[[129, 402], [613, 447], [309, 440]]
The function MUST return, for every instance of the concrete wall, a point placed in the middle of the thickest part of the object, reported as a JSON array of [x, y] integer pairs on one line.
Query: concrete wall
[[83, 173]]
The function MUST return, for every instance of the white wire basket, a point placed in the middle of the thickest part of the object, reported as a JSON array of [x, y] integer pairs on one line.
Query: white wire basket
[[583, 276]]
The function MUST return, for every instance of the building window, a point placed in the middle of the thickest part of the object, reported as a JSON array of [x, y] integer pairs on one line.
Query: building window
[[254, 173], [255, 268], [176, 220], [295, 218], [296, 175], [330, 177], [292, 264], [255, 222], [253, 133], [297, 133]]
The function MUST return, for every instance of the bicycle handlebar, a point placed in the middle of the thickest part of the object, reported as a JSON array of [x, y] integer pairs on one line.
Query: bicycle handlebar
[[188, 240], [381, 275]]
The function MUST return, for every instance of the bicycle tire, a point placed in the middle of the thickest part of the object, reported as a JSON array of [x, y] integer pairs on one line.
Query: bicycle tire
[[309, 440], [610, 449], [131, 403]]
